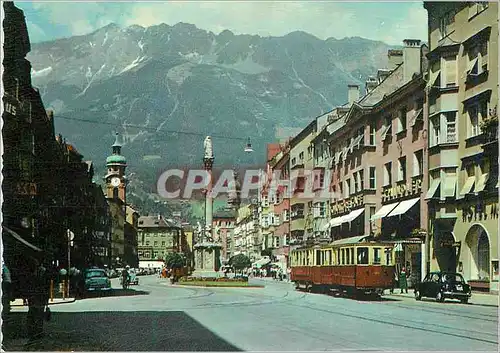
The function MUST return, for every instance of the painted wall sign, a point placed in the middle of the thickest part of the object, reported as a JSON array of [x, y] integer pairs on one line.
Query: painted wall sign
[[26, 189], [345, 205], [402, 190]]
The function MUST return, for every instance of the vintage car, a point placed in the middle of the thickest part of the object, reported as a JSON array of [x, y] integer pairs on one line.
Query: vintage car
[[96, 279], [443, 285]]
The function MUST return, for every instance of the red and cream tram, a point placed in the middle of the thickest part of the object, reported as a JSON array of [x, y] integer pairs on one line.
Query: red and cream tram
[[345, 265]]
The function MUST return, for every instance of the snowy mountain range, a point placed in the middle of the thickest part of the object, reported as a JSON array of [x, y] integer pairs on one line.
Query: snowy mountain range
[[147, 82]]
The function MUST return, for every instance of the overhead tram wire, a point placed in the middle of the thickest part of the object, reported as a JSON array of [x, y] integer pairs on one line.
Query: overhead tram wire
[[152, 129]]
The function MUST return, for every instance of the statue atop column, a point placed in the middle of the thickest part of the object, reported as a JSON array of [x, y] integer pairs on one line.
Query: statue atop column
[[209, 153]]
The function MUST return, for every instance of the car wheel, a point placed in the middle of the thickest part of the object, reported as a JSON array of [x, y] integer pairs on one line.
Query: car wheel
[[464, 301], [418, 295], [440, 297]]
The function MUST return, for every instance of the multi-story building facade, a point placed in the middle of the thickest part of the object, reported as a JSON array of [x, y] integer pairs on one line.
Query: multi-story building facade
[[280, 168], [301, 161], [321, 179], [223, 223], [379, 159], [158, 237], [463, 140]]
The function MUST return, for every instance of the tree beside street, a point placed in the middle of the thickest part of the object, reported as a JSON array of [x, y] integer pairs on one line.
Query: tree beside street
[[174, 260], [240, 262]]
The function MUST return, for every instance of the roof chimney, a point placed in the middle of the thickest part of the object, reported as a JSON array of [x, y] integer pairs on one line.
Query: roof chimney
[[370, 84], [382, 74], [412, 58], [352, 93], [395, 57]]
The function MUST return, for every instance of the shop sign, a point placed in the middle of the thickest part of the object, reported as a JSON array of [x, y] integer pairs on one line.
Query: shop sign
[[26, 189], [402, 190], [346, 205], [449, 244]]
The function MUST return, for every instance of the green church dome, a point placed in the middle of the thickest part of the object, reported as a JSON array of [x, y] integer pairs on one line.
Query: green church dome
[[116, 158]]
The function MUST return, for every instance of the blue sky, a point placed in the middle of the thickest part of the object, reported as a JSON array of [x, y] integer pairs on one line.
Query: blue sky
[[390, 22]]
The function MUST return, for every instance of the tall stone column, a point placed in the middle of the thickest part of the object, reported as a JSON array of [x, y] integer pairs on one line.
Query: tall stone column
[[208, 164]]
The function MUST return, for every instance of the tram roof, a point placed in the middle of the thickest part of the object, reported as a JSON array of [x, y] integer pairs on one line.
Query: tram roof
[[357, 240]]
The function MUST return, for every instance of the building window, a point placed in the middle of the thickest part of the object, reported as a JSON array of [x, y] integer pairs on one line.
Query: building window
[[347, 188], [450, 74], [265, 201], [356, 182], [402, 169], [373, 181], [451, 127], [444, 22], [361, 180], [322, 209], [373, 133], [294, 161], [285, 216], [402, 120], [476, 7], [372, 212], [147, 242], [163, 243], [155, 243], [388, 174], [435, 131], [418, 160], [477, 62], [477, 113], [301, 156]]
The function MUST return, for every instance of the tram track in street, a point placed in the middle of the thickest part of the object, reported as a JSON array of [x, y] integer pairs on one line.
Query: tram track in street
[[407, 326], [448, 313]]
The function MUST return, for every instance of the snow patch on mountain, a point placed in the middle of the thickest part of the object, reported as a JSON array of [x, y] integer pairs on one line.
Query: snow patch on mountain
[[41, 73]]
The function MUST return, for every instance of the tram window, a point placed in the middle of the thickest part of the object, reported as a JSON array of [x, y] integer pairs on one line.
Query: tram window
[[376, 256], [362, 256], [352, 256], [343, 257], [330, 257], [318, 257], [338, 256], [388, 256]]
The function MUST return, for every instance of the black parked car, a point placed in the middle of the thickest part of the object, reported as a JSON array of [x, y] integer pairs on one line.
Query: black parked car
[[443, 285]]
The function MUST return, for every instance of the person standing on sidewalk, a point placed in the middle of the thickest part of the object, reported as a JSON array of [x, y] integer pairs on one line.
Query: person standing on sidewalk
[[403, 281], [38, 300]]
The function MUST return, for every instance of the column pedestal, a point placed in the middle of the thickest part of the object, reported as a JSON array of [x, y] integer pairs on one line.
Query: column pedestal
[[207, 259]]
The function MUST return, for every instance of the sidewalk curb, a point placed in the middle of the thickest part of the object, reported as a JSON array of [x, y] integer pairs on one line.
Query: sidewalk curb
[[50, 303]]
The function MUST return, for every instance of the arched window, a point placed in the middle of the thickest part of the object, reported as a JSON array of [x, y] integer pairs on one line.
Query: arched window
[[483, 258]]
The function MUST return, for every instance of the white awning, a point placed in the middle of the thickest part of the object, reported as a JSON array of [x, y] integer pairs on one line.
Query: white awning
[[385, 131], [472, 66], [353, 215], [351, 240], [384, 211], [468, 185], [433, 78], [335, 222], [355, 142], [449, 186], [21, 239], [433, 188], [481, 183], [403, 207], [416, 117]]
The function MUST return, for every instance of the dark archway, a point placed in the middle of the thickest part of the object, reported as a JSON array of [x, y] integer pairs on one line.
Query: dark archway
[[445, 252]]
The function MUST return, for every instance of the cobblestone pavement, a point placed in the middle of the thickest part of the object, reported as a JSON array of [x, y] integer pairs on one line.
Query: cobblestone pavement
[[274, 318]]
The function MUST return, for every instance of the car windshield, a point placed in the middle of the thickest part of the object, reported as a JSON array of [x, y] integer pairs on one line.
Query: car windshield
[[453, 278], [95, 274]]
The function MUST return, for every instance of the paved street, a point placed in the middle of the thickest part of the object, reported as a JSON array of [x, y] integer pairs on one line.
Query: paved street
[[165, 318]]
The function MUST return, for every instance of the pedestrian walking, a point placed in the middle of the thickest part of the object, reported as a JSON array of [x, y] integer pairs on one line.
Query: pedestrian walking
[[403, 281], [396, 281]]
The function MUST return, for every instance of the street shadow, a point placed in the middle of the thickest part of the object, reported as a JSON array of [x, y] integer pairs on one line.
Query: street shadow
[[115, 331], [450, 301], [113, 293]]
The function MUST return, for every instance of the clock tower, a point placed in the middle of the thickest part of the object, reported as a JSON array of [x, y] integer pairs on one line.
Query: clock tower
[[116, 182]]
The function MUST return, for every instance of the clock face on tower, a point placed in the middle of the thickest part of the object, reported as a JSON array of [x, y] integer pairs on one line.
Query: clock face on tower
[[115, 181]]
